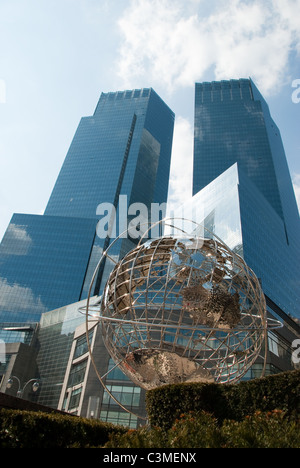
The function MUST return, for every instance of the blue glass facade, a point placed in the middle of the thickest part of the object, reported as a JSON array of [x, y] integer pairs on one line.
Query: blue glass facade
[[124, 149], [43, 262], [234, 209], [266, 250], [233, 124], [236, 138]]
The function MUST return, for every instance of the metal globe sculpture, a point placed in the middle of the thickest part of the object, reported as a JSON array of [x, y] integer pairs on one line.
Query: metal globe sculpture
[[184, 309]]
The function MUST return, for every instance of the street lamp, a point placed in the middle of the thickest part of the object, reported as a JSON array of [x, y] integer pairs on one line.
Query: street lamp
[[20, 392]]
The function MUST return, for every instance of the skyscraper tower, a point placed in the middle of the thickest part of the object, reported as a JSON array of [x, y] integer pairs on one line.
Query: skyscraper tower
[[123, 149], [233, 125], [242, 181]]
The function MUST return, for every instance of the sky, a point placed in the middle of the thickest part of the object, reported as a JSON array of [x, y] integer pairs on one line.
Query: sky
[[57, 56]]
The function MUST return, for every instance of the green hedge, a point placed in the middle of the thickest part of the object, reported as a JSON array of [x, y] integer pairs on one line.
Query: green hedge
[[234, 402], [27, 429], [257, 413], [201, 430]]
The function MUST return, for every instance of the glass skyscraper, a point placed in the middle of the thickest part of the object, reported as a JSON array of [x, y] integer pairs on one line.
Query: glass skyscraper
[[242, 192], [233, 126], [119, 157], [122, 150]]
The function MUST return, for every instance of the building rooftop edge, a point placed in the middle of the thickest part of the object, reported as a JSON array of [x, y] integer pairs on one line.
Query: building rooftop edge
[[133, 93]]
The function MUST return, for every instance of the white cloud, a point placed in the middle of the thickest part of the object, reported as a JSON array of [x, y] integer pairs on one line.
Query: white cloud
[[180, 189], [176, 42], [171, 44]]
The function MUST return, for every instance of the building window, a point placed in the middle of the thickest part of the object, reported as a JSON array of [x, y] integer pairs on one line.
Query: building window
[[115, 373], [77, 373], [273, 343], [75, 398], [82, 345], [118, 417], [126, 395]]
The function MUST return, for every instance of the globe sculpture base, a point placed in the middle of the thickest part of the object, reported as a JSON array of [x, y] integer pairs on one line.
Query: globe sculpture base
[[152, 368]]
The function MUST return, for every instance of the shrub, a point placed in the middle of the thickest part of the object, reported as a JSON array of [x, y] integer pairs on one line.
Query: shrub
[[262, 430], [230, 401], [280, 391], [167, 403], [195, 430], [144, 437], [201, 430], [261, 413], [26, 429], [189, 431]]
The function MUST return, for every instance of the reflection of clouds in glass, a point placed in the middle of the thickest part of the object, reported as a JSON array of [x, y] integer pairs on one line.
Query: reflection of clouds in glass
[[180, 188], [14, 296], [231, 235], [217, 208], [16, 241]]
